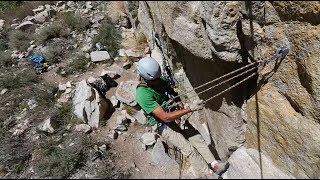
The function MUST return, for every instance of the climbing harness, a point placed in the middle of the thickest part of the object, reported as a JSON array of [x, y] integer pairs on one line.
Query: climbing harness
[[280, 54]]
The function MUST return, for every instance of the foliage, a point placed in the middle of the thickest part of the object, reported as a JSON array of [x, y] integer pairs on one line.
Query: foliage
[[5, 59], [9, 5], [54, 30], [13, 80], [77, 64], [75, 22], [109, 36], [19, 40], [57, 162], [56, 52]]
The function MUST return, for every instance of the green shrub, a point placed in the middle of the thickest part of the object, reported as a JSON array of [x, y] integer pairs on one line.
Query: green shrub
[[11, 80], [75, 22], [109, 36], [4, 39], [44, 94], [54, 30], [5, 59], [19, 40], [63, 115], [55, 162], [3, 45], [9, 5], [55, 54], [60, 163], [77, 64], [15, 152]]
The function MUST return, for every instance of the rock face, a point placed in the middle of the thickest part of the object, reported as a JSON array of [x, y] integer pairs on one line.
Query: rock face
[[210, 39], [160, 157], [245, 164], [89, 106]]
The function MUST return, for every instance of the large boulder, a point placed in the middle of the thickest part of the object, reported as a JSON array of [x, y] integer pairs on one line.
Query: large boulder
[[89, 106], [102, 84]]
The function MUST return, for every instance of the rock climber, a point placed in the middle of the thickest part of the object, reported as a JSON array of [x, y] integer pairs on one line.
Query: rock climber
[[152, 95]]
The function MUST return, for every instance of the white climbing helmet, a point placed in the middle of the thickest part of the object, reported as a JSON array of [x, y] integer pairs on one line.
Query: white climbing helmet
[[149, 68]]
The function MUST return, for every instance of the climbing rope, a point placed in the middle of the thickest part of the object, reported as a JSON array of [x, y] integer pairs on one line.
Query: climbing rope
[[280, 54]]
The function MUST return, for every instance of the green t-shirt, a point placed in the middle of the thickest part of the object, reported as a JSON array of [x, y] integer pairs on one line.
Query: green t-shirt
[[151, 98]]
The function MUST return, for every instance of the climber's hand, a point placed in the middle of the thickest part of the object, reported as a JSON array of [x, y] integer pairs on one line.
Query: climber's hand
[[196, 105]]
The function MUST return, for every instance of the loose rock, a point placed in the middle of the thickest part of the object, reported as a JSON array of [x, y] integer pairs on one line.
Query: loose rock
[[112, 74], [148, 138], [131, 53], [68, 84], [3, 91], [126, 92], [122, 52], [102, 84], [97, 56], [25, 25], [46, 126], [40, 8], [32, 103], [114, 101], [62, 87], [121, 119], [42, 16], [121, 128], [88, 105], [140, 117], [1, 23], [83, 128]]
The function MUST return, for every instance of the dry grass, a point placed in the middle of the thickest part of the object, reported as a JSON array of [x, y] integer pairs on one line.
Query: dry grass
[[141, 41], [115, 10]]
